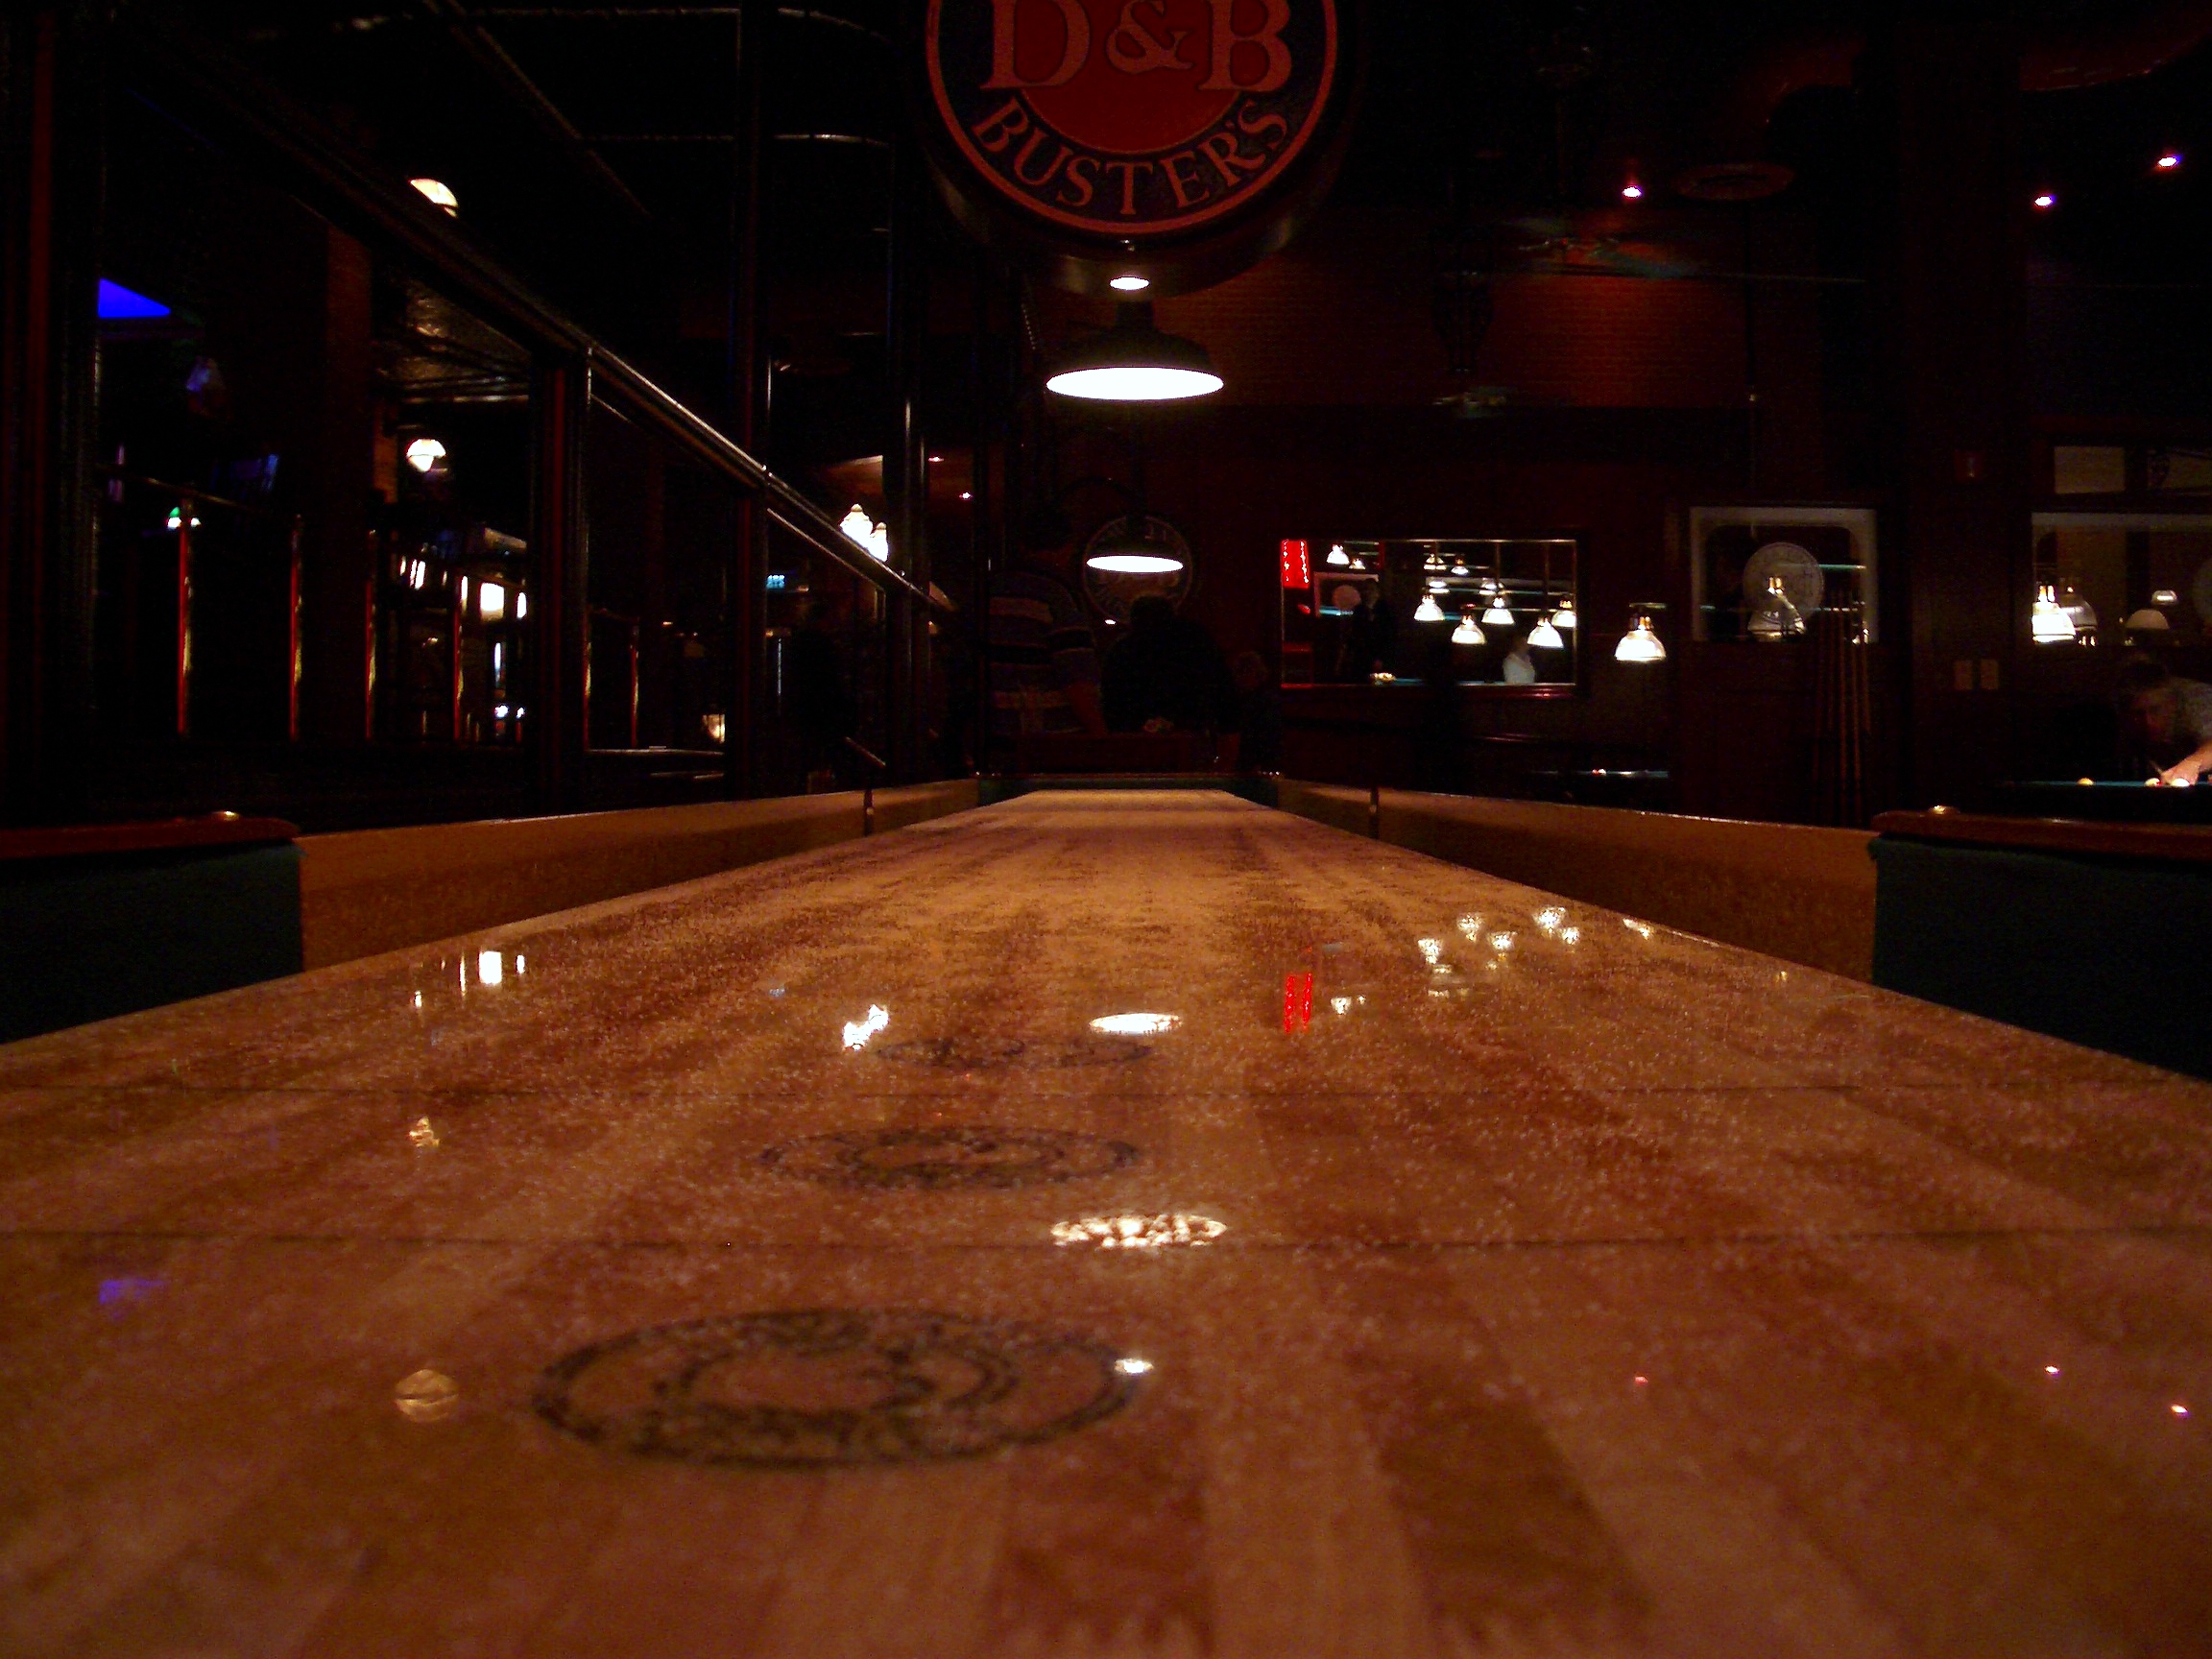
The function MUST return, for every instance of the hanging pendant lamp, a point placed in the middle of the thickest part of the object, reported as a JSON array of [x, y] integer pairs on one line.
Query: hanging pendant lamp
[[1467, 634], [1565, 617], [1546, 638], [1133, 362], [1640, 644], [1776, 618], [1499, 615], [2047, 623], [1130, 552], [1428, 611]]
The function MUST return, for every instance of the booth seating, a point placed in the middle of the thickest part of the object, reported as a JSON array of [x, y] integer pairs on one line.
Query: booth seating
[[2093, 932], [106, 918]]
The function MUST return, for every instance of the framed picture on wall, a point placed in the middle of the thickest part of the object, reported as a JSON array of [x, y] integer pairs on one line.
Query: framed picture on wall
[[1824, 557]]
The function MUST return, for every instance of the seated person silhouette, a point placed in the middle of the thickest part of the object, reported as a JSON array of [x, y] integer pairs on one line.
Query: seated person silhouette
[[1166, 675]]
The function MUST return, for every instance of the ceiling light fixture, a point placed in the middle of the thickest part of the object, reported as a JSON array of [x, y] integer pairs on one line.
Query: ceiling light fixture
[[1640, 644], [1467, 634], [1337, 556], [1546, 638], [438, 193], [1499, 615], [1131, 283], [1428, 611], [1131, 552], [855, 524], [425, 455], [1133, 362], [1631, 192], [1565, 617], [2047, 623], [2045, 201], [2170, 163]]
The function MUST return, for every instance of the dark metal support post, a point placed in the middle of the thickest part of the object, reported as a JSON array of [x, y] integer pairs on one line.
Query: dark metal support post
[[745, 608], [906, 462], [52, 143], [560, 720], [983, 405]]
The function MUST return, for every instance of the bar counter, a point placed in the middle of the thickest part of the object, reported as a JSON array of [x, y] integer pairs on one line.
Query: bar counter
[[1137, 1223]]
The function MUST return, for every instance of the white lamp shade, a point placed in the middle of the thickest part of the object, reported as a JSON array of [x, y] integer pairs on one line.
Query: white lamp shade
[[1498, 616], [1428, 611], [1546, 638], [2047, 623], [1467, 634], [1640, 644]]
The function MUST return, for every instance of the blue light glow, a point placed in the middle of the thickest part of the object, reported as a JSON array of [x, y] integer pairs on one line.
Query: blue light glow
[[119, 304]]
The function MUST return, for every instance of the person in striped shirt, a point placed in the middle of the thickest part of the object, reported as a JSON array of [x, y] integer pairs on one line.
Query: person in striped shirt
[[1044, 663]]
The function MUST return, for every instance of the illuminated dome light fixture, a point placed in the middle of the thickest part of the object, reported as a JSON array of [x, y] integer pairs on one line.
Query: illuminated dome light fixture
[[1640, 644], [425, 455], [2045, 201], [1337, 556], [1133, 362], [1132, 283], [2165, 596], [2148, 620], [878, 543], [1499, 615], [438, 193], [2047, 623], [1467, 634], [857, 526], [1130, 552], [1546, 638], [1458, 570], [1631, 191], [1563, 617], [2170, 163], [1428, 611], [2079, 612], [1776, 618]]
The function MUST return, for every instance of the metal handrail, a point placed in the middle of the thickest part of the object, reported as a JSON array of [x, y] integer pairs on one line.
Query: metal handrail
[[786, 505], [164, 55]]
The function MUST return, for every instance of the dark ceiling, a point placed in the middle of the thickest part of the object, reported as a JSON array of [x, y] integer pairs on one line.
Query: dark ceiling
[[590, 143]]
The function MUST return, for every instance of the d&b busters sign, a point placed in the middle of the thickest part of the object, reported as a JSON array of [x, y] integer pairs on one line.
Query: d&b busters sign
[[1118, 122]]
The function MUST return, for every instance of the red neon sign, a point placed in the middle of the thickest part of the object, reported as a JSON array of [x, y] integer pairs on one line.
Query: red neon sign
[[1297, 566]]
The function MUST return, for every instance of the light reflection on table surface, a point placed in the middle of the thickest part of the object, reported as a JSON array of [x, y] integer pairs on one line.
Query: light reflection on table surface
[[1098, 1224]]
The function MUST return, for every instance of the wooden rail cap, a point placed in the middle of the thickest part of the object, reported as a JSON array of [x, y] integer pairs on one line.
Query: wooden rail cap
[[2172, 842], [157, 836]]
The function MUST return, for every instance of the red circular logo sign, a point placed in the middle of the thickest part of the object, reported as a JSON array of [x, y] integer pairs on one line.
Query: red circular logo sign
[[1128, 118]]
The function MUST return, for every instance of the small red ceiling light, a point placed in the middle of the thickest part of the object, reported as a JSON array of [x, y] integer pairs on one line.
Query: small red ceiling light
[[2170, 163], [1631, 192], [2045, 201]]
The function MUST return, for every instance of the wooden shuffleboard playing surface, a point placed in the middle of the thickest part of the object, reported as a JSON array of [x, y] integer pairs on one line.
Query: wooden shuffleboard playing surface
[[789, 1265]]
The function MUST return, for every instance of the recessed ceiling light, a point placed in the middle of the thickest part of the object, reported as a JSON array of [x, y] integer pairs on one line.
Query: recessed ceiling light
[[438, 193]]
